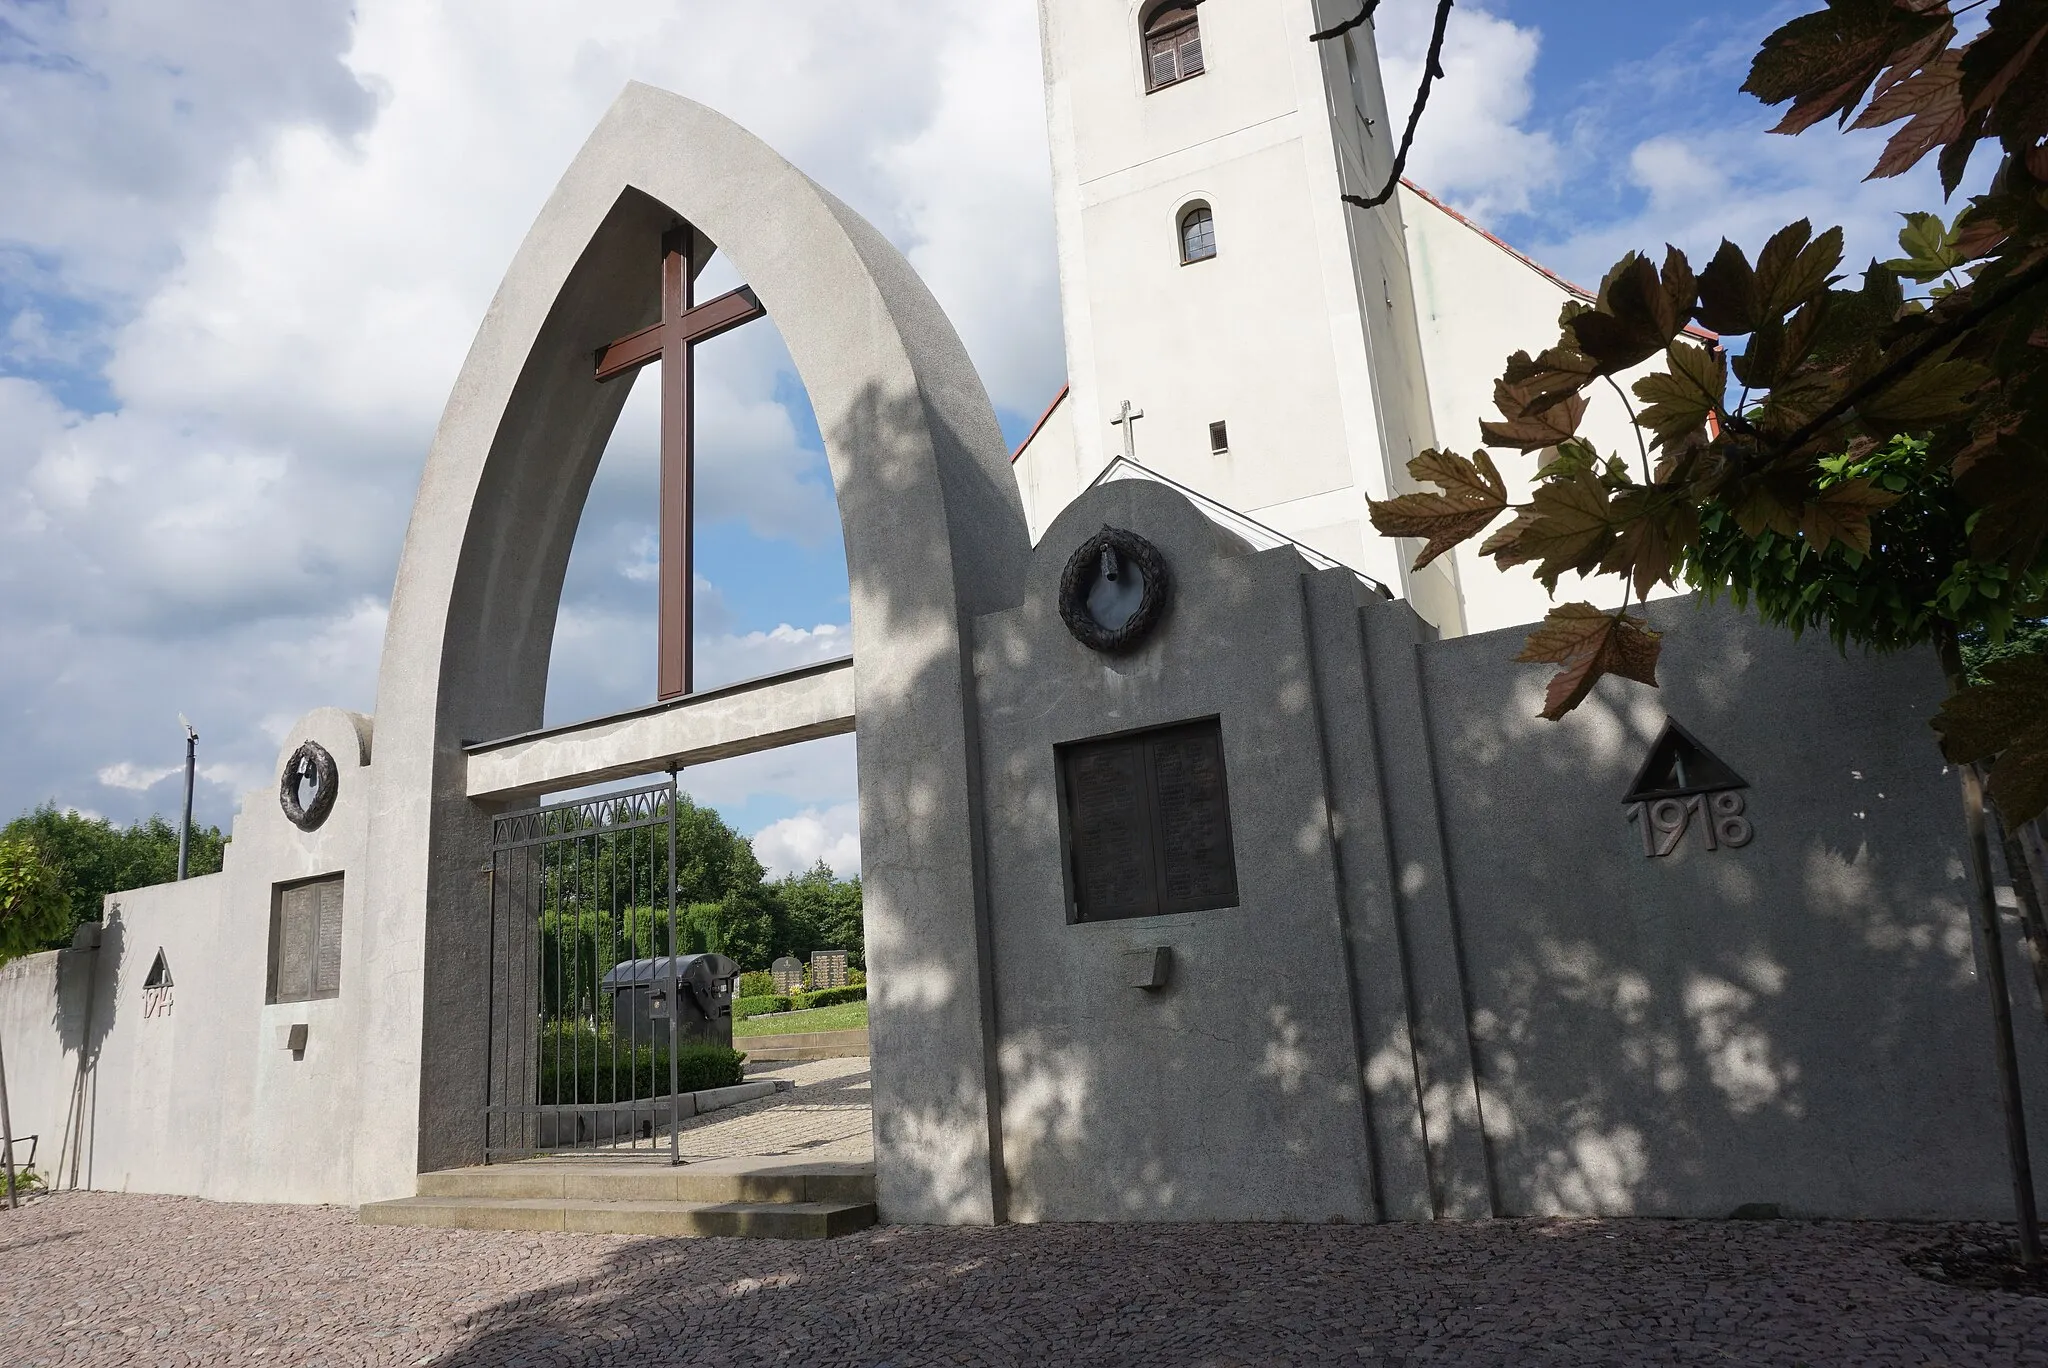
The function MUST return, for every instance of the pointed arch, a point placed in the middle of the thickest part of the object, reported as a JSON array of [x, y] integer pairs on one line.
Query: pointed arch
[[934, 533]]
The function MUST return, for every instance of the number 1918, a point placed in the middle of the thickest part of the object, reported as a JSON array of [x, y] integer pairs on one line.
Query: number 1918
[[1665, 821]]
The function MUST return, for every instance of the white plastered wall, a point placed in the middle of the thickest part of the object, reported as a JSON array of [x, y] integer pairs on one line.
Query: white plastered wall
[[1298, 335]]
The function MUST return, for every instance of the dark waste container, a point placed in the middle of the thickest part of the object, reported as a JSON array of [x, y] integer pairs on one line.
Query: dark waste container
[[696, 988]]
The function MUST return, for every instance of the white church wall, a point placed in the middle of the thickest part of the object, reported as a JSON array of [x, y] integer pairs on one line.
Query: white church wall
[[1048, 466], [1298, 335], [1479, 302]]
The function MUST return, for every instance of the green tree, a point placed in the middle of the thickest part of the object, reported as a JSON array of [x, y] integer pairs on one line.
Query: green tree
[[33, 907], [93, 857], [823, 912]]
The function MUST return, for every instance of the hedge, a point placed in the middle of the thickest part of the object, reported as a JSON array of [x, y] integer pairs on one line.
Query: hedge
[[743, 1008], [582, 1064]]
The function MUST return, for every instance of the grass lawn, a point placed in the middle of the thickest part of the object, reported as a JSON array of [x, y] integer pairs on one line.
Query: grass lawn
[[847, 1016]]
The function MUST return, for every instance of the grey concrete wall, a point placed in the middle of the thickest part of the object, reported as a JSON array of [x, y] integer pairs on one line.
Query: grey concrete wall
[[1232, 1094], [1795, 1022], [204, 1099]]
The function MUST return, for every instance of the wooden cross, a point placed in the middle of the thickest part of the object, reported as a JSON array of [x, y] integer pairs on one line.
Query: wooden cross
[[673, 341]]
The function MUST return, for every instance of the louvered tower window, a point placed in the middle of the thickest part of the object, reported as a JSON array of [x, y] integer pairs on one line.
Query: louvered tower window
[[1173, 45]]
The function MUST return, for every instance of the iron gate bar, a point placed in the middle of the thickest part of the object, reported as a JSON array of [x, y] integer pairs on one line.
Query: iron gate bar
[[571, 859]]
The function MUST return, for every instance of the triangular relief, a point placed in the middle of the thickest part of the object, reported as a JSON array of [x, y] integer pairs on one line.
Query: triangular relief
[[1679, 765], [159, 973]]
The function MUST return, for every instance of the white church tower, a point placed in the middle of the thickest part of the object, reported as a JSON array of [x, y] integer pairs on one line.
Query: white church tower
[[1262, 333]]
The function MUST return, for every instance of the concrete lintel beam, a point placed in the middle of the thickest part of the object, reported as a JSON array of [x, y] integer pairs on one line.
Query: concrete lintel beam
[[739, 719]]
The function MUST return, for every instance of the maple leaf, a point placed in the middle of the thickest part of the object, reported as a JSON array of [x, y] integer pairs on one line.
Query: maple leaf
[[1926, 394], [2009, 482], [1589, 644], [1825, 61], [1794, 266], [1474, 495], [1680, 399], [1529, 386], [1728, 297], [1655, 531], [2006, 718], [1841, 513], [1543, 428], [1567, 525], [1931, 100], [1639, 311]]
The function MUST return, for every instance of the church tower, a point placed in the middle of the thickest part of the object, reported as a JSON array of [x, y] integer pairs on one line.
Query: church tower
[[1262, 332]]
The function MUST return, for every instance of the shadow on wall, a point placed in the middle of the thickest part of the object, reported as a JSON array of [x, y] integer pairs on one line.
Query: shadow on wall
[[88, 997], [921, 841], [1795, 1024]]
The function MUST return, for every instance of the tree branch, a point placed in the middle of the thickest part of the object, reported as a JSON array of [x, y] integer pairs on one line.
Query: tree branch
[[1942, 336], [1365, 10], [1432, 68]]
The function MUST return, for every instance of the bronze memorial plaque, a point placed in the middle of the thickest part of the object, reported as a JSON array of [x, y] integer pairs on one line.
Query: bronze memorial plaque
[[1145, 818], [305, 941]]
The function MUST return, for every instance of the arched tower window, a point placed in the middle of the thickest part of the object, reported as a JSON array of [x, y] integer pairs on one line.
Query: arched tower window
[[1173, 44], [1197, 234]]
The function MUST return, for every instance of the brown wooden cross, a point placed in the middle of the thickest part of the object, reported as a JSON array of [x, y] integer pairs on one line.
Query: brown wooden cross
[[673, 341]]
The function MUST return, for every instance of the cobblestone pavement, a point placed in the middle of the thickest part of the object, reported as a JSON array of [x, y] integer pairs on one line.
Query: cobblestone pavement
[[827, 1115], [108, 1279]]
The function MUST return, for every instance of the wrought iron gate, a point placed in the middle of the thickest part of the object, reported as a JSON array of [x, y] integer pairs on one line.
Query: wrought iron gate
[[576, 889]]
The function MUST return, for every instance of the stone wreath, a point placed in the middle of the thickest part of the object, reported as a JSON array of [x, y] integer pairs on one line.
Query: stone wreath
[[1080, 573], [309, 763]]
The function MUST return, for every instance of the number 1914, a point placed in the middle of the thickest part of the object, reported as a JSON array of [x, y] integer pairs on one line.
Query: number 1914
[[1665, 821]]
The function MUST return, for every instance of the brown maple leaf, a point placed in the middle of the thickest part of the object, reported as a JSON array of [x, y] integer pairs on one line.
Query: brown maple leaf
[[2006, 718], [1589, 643], [1474, 495]]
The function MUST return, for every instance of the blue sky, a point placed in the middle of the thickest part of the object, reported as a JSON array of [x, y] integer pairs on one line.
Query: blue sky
[[245, 248]]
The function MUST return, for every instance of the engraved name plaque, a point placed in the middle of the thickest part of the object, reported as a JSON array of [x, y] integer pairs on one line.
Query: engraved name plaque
[[305, 941], [1145, 819]]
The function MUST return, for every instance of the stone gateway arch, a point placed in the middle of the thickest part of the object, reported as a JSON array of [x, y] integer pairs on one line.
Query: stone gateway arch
[[1202, 882], [934, 535]]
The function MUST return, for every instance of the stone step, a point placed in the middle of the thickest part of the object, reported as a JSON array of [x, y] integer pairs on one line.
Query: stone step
[[754, 1179], [750, 1220], [764, 1049]]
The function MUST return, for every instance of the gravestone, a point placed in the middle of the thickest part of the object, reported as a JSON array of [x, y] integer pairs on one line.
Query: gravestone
[[828, 969], [788, 973]]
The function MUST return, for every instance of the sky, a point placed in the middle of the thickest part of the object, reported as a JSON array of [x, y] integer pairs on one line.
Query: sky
[[244, 247]]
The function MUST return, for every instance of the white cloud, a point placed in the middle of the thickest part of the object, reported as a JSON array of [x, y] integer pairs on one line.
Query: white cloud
[[1473, 148], [136, 778], [794, 844], [280, 231]]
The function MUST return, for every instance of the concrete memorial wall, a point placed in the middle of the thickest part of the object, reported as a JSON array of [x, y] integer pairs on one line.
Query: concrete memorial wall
[[1462, 976], [1200, 883]]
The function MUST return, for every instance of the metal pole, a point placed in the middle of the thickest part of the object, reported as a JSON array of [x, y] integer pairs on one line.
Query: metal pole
[[675, 993], [7, 1136], [2001, 1021], [1993, 936], [185, 827]]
